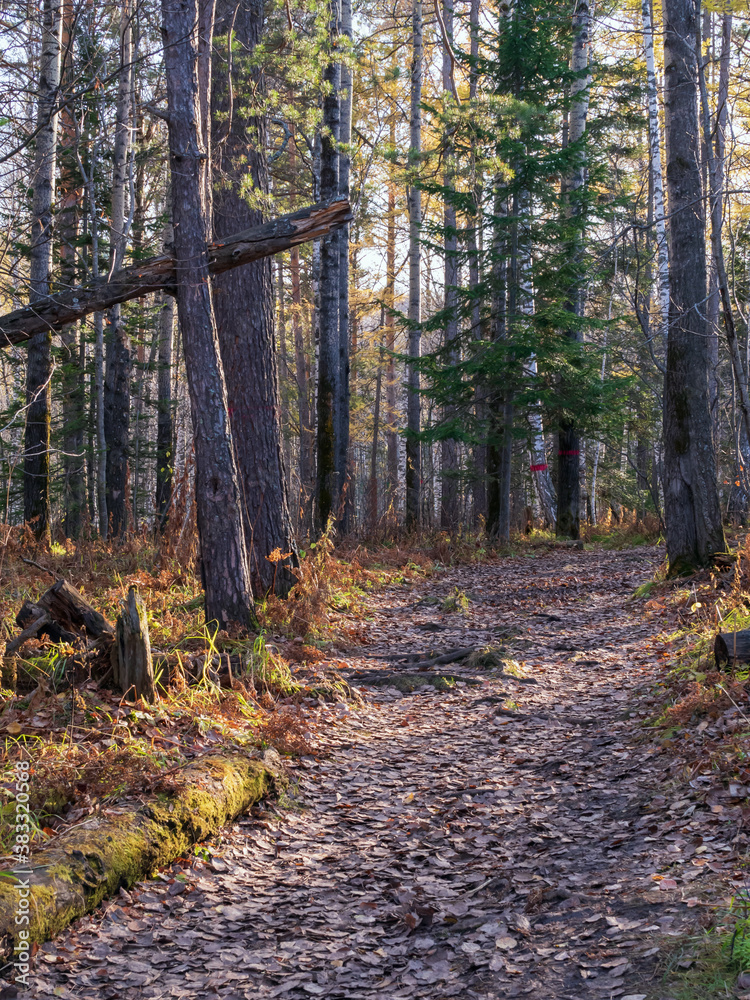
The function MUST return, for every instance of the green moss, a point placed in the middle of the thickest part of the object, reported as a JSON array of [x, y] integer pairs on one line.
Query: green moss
[[95, 860], [488, 658]]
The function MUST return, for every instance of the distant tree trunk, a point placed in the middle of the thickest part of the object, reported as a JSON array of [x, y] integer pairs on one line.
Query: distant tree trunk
[[373, 483], [568, 478], [101, 443], [302, 371], [243, 300], [715, 163], [343, 471], [118, 361], [691, 500], [500, 417], [414, 197], [164, 429], [186, 33], [36, 500], [328, 487], [391, 434], [449, 508]]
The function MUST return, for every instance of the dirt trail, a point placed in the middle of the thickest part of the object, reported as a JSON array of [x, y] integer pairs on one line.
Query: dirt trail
[[493, 841]]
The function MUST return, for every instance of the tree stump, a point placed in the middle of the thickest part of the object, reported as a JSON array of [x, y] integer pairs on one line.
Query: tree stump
[[132, 668], [732, 647]]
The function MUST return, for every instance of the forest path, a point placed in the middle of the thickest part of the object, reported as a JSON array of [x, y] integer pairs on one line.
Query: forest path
[[443, 849]]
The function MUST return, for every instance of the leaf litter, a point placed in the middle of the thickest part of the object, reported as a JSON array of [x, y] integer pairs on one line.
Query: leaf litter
[[439, 845]]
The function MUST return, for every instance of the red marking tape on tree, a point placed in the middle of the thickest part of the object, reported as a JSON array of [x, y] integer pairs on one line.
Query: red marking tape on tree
[[538, 468]]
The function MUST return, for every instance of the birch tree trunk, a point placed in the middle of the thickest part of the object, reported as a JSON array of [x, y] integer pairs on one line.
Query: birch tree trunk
[[36, 500], [243, 299], [568, 478], [657, 178], [118, 360], [449, 508], [414, 198], [691, 500], [186, 32]]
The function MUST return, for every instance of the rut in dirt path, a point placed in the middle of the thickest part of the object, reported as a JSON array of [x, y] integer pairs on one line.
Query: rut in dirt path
[[492, 841]]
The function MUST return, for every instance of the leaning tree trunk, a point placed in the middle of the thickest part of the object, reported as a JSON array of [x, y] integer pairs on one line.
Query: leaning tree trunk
[[243, 301], [328, 487], [449, 446], [568, 475], [691, 500], [186, 32], [36, 503], [159, 273], [414, 198]]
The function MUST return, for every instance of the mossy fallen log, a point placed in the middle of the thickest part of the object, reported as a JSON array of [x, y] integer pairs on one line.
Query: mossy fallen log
[[96, 859]]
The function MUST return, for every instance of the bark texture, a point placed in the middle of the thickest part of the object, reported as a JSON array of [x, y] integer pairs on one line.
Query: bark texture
[[691, 501], [243, 299], [187, 32]]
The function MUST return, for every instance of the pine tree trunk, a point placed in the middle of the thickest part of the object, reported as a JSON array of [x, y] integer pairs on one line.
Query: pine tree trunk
[[343, 470], [692, 512], [479, 486], [568, 478], [328, 487], [186, 33], [243, 301], [118, 360], [36, 506], [414, 197], [449, 509]]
